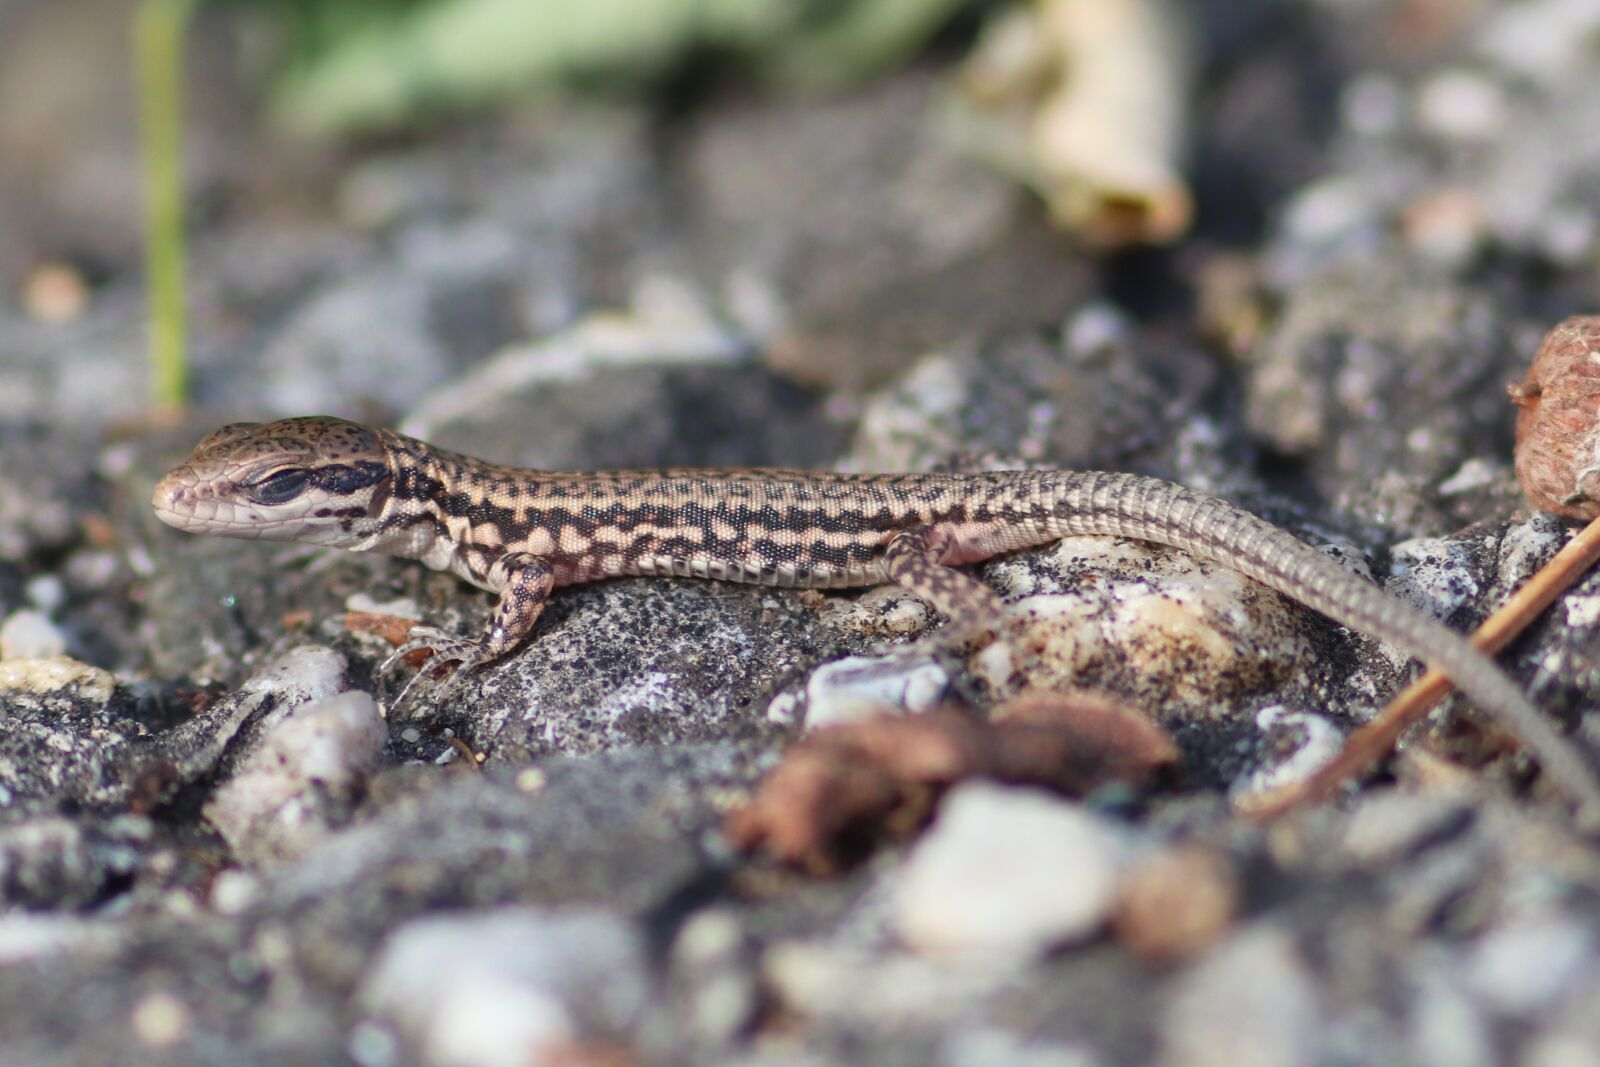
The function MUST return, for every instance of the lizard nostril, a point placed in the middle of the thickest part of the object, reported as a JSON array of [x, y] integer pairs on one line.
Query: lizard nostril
[[171, 492]]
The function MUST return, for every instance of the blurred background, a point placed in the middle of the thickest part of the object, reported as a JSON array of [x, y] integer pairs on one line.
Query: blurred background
[[380, 194]]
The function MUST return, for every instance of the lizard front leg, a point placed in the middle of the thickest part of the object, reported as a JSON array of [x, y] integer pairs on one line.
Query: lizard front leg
[[524, 581]]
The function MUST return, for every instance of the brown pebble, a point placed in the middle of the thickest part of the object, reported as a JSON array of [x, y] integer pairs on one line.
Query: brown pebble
[[1175, 903], [55, 292], [1558, 421]]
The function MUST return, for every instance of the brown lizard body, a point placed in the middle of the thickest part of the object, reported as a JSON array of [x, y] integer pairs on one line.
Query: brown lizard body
[[520, 533]]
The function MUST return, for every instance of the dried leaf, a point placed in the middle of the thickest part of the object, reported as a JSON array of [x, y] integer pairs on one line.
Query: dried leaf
[[391, 628], [854, 782]]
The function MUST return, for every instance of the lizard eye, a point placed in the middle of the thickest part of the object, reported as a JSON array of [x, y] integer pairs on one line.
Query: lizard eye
[[281, 487]]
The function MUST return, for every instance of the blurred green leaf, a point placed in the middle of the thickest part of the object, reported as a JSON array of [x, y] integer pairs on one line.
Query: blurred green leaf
[[367, 64], [855, 41]]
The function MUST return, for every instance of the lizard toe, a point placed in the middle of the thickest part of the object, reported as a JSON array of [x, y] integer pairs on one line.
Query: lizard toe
[[445, 650], [442, 646]]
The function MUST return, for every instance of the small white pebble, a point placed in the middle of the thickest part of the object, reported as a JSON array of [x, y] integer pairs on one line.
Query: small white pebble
[[1446, 1027], [1461, 105], [401, 607], [269, 810], [118, 459], [859, 688], [46, 592], [784, 709], [160, 1020], [29, 635], [1526, 967], [1250, 1002], [140, 561], [373, 1045], [1094, 329], [496, 988], [233, 891], [307, 673], [91, 568], [1475, 473], [1322, 742], [1328, 209], [1583, 610]]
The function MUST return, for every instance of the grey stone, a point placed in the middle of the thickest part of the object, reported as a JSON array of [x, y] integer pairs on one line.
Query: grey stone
[[51, 862], [1446, 1027], [1387, 827], [300, 778], [64, 736], [1250, 1002], [496, 988], [1021, 395], [1525, 967], [1380, 381], [706, 413], [634, 662]]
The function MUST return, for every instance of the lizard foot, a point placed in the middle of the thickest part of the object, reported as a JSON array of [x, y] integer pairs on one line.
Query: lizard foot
[[953, 648], [465, 653], [985, 664]]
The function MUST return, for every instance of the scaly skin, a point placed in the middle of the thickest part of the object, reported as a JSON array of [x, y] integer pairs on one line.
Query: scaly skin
[[521, 533]]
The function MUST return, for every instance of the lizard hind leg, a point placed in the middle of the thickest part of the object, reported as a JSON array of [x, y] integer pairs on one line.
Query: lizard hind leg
[[914, 560]]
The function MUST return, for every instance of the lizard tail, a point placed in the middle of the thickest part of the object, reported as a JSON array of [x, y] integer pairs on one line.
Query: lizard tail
[[1148, 509]]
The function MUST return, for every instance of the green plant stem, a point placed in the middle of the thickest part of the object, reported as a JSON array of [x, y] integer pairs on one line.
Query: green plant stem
[[159, 31]]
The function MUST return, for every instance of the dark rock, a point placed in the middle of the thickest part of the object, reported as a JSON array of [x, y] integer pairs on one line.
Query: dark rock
[[1379, 383]]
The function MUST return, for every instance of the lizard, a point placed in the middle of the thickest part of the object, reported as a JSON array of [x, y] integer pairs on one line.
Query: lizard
[[521, 533]]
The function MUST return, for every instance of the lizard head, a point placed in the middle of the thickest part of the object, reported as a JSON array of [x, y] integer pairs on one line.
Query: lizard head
[[318, 480]]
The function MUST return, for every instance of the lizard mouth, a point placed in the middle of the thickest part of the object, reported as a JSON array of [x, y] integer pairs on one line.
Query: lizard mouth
[[183, 500]]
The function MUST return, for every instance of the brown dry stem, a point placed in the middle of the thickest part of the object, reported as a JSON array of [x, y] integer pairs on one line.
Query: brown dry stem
[[1374, 741]]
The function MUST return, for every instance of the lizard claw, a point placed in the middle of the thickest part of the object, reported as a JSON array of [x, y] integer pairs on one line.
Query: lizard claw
[[445, 649]]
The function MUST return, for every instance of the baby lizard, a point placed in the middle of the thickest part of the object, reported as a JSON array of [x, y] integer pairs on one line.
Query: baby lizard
[[521, 533]]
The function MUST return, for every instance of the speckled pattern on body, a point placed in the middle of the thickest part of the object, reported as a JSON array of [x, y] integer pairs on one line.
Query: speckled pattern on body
[[521, 533]]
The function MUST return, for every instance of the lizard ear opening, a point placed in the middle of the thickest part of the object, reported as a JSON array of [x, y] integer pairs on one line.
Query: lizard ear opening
[[351, 477]]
